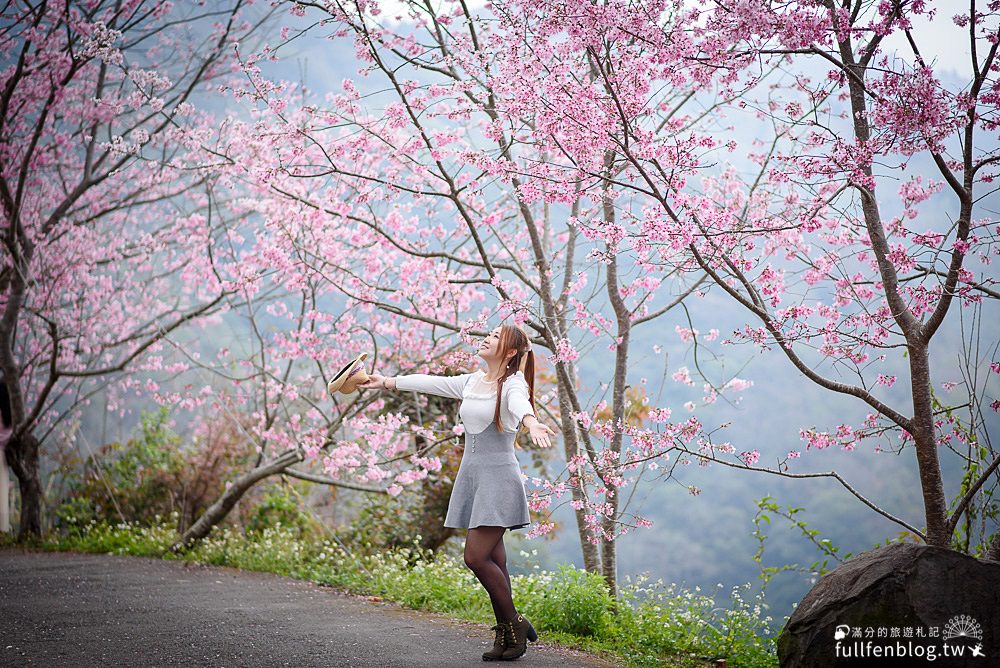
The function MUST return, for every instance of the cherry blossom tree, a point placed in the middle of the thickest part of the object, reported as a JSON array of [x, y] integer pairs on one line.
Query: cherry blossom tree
[[831, 245], [107, 234], [828, 239], [125, 227], [272, 383], [442, 203]]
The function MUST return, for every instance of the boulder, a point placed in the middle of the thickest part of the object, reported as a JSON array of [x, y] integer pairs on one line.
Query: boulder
[[899, 605]]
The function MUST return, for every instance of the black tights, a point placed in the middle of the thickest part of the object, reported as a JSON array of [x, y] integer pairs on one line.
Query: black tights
[[485, 555]]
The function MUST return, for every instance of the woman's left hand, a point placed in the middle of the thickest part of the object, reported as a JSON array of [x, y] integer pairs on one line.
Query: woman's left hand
[[540, 433]]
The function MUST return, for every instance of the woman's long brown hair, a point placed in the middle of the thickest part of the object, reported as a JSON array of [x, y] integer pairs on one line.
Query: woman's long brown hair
[[514, 338]]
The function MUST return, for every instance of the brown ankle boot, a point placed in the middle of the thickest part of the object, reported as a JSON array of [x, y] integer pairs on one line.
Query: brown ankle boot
[[499, 643], [519, 631]]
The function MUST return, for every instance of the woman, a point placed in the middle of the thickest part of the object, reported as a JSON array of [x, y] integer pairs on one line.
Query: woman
[[488, 496]]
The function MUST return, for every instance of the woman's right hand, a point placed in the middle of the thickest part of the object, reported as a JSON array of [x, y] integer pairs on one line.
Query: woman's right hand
[[377, 382]]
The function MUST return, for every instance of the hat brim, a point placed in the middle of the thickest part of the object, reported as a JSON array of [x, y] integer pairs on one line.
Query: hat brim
[[349, 377]]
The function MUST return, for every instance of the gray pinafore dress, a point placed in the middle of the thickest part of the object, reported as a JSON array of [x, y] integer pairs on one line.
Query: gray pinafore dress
[[488, 489]]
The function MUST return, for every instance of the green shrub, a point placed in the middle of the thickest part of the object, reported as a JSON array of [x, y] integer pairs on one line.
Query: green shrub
[[123, 538], [742, 631], [151, 474], [274, 550], [282, 507], [573, 601], [127, 482], [75, 514], [383, 522], [665, 620]]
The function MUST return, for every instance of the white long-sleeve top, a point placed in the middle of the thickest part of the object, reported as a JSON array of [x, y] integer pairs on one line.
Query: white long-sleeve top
[[478, 397]]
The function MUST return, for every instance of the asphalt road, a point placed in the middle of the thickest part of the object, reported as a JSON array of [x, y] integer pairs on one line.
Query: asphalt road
[[83, 610]]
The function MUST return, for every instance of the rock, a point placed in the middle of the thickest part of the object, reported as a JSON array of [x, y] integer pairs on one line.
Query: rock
[[935, 607]]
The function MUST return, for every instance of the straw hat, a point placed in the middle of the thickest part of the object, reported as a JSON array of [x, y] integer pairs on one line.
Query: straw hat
[[348, 378]]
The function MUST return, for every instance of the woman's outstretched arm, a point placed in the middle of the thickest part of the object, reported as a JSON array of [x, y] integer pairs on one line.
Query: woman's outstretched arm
[[519, 407], [443, 386]]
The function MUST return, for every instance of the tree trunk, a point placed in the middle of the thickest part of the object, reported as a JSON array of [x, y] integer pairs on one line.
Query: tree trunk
[[609, 556], [609, 548], [922, 428], [609, 552], [234, 492], [22, 455], [591, 556], [4, 490], [929, 466]]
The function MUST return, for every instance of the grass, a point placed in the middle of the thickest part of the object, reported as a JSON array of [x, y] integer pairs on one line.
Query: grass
[[650, 624]]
